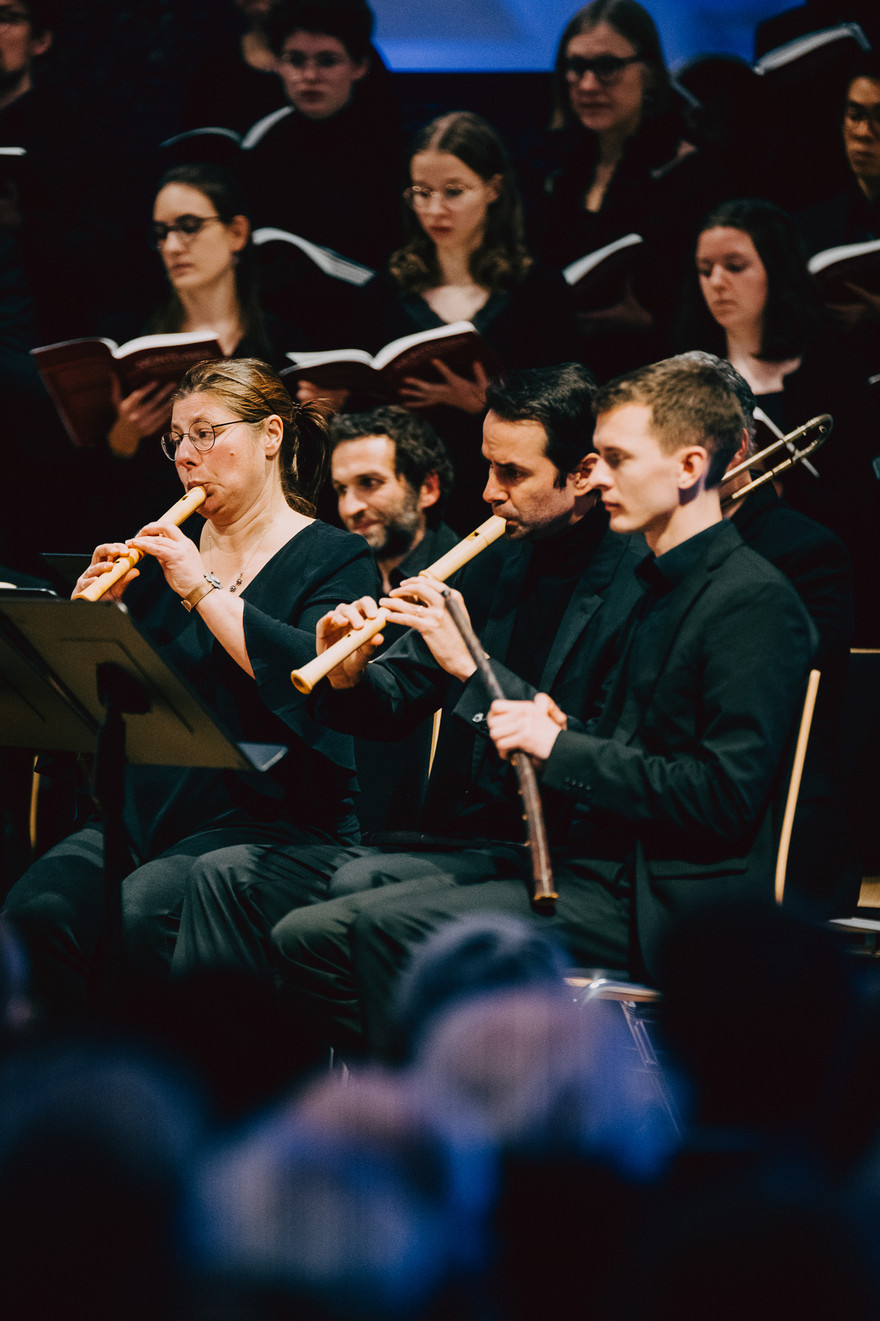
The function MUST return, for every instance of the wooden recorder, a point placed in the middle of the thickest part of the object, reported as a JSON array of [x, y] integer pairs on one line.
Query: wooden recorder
[[177, 514], [305, 679]]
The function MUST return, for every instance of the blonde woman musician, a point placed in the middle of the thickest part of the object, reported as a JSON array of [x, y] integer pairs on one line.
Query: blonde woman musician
[[233, 607]]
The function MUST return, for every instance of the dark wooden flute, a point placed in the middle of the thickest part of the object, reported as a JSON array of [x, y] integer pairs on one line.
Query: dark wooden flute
[[543, 894]]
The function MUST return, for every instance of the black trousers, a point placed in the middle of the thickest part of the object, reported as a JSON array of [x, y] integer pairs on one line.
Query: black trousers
[[341, 958], [235, 896], [58, 908]]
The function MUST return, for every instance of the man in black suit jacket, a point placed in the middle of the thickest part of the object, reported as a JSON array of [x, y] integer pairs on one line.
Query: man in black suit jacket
[[549, 601], [392, 475], [673, 788]]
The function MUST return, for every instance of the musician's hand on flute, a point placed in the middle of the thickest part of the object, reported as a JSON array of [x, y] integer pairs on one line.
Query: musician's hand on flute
[[531, 727], [335, 625], [418, 603], [177, 554], [104, 558]]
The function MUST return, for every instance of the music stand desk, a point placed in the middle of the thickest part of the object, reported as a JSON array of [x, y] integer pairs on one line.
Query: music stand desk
[[77, 676]]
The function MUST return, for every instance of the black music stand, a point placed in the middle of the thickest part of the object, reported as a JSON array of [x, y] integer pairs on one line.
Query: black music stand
[[81, 677]]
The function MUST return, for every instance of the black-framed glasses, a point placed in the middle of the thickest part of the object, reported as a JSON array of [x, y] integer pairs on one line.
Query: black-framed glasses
[[12, 18], [201, 436], [186, 226], [453, 195], [323, 59], [604, 68]]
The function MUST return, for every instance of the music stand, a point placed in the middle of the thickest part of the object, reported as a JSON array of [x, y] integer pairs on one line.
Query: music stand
[[81, 677]]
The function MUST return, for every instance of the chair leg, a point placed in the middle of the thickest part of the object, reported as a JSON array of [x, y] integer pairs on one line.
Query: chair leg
[[637, 1004]]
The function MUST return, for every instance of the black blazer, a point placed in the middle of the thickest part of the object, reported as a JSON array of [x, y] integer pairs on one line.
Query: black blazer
[[406, 684], [686, 781]]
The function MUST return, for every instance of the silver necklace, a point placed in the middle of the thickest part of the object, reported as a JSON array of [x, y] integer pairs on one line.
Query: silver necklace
[[233, 587]]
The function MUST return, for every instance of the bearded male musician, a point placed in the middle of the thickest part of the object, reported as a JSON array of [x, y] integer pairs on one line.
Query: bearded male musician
[[548, 600], [673, 787]]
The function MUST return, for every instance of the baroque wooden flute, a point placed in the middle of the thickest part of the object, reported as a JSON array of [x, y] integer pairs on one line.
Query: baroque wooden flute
[[177, 514], [544, 895], [305, 679]]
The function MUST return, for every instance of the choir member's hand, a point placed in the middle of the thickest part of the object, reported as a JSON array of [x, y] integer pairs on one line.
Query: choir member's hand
[[417, 603], [143, 412], [531, 727], [104, 558], [336, 625], [453, 391], [626, 314], [308, 391], [863, 306], [177, 554]]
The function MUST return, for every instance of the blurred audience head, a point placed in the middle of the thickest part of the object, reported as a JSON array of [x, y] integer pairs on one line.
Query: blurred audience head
[[536, 1074], [470, 957], [351, 1201], [97, 1147]]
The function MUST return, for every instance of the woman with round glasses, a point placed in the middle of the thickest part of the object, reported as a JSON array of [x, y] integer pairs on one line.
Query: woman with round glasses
[[202, 234], [465, 259], [625, 169], [233, 608]]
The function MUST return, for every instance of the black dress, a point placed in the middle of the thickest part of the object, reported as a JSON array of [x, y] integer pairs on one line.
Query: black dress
[[846, 497], [661, 190], [334, 181], [174, 815]]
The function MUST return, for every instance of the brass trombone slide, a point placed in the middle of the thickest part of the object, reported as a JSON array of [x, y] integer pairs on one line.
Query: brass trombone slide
[[821, 425]]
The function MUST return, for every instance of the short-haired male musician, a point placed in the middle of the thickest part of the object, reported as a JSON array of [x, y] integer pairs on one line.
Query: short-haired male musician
[[548, 600], [392, 475], [672, 788]]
